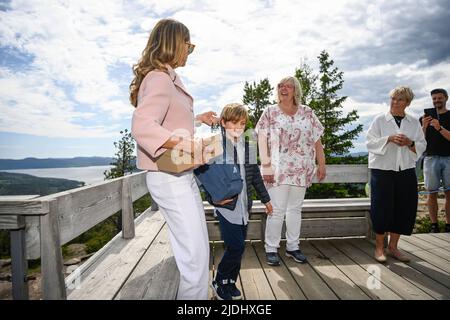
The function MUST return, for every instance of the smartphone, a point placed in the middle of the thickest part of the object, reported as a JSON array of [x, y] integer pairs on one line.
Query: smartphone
[[432, 113]]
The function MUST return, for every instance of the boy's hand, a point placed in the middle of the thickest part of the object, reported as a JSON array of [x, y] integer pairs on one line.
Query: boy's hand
[[269, 208]]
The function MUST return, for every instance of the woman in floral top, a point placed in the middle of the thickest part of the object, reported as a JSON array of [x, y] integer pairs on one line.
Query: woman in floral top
[[289, 145]]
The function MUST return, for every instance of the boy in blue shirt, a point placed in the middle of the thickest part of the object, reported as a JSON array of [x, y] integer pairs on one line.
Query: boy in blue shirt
[[233, 222]]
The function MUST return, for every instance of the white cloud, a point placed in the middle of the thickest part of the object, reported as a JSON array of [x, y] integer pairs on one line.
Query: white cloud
[[70, 88], [33, 104]]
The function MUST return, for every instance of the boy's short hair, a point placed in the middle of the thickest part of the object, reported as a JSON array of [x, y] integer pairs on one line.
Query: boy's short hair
[[439, 90], [234, 112]]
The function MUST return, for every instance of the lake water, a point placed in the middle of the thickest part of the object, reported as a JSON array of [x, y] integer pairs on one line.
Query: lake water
[[88, 175]]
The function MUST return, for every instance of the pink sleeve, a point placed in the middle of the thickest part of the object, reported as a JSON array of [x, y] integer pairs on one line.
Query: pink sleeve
[[153, 104], [317, 128], [263, 122]]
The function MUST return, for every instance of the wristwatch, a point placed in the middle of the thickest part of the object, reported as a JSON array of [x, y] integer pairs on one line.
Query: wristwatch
[[441, 129]]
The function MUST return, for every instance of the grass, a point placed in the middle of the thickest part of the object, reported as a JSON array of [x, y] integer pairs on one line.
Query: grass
[[423, 225]]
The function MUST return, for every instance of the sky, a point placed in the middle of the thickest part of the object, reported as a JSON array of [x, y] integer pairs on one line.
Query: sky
[[65, 66]]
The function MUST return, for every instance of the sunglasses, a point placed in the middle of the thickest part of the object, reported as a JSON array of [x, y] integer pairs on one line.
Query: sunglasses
[[191, 47], [284, 85]]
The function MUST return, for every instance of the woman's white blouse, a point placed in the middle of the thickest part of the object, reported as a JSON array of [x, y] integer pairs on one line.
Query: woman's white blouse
[[386, 155]]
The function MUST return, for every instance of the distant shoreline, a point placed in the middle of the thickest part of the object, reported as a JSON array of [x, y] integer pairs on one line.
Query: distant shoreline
[[88, 174], [54, 163]]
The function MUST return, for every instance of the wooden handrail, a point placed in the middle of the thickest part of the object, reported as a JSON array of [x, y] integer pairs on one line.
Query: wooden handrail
[[53, 220]]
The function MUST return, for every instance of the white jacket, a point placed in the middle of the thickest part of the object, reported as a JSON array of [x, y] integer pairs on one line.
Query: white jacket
[[386, 155]]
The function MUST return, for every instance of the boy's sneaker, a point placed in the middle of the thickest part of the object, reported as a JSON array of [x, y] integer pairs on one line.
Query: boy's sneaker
[[272, 259], [234, 291], [221, 291], [297, 255], [434, 228]]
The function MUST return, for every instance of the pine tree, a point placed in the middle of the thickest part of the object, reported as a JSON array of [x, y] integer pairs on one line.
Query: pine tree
[[124, 161], [308, 82], [257, 97], [337, 138]]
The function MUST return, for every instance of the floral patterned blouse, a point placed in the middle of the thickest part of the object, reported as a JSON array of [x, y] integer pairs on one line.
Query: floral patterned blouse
[[291, 144]]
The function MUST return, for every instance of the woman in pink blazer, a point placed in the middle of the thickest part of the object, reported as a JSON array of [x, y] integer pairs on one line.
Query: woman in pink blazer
[[164, 119]]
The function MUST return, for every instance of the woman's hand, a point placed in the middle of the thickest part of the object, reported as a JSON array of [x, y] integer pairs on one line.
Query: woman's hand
[[321, 172], [208, 118], [188, 144], [267, 173], [269, 178], [400, 140], [269, 208]]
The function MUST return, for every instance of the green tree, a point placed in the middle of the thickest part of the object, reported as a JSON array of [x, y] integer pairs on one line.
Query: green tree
[[308, 82], [320, 93], [337, 138], [124, 161], [257, 98]]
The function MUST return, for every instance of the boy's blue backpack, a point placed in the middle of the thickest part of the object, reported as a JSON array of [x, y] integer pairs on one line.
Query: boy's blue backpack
[[221, 180]]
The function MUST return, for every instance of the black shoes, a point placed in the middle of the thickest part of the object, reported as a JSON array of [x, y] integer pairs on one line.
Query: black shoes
[[226, 290], [272, 259], [434, 228], [297, 255]]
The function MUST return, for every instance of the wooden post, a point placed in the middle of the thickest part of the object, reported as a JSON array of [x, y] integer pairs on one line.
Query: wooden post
[[19, 263], [127, 210], [53, 286], [370, 234]]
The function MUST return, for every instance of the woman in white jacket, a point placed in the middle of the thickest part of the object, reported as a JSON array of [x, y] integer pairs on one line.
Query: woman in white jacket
[[395, 141]]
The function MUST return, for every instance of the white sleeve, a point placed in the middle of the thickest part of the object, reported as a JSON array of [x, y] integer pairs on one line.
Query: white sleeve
[[419, 142], [375, 143]]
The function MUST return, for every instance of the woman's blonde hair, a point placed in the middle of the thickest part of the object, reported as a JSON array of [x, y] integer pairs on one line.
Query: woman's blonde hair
[[234, 112], [402, 92], [165, 46], [297, 89]]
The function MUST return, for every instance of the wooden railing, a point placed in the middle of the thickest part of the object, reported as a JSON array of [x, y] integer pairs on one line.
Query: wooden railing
[[41, 225]]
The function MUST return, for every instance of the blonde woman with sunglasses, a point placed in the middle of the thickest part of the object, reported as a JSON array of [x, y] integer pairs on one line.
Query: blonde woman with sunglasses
[[164, 111]]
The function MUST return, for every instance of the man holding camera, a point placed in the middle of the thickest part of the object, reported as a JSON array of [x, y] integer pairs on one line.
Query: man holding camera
[[436, 166]]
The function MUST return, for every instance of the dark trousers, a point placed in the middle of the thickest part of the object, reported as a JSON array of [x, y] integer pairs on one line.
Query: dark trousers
[[394, 198], [233, 236]]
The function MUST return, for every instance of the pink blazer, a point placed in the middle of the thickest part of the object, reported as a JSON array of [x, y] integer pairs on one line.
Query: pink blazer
[[164, 107]]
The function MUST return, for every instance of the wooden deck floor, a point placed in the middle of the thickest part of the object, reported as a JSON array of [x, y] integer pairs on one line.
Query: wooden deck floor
[[345, 269], [144, 268]]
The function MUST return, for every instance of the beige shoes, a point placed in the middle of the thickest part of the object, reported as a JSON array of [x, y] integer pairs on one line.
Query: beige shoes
[[399, 256], [381, 258]]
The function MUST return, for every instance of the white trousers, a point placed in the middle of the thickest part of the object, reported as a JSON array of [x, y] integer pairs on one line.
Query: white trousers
[[181, 205], [287, 202]]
